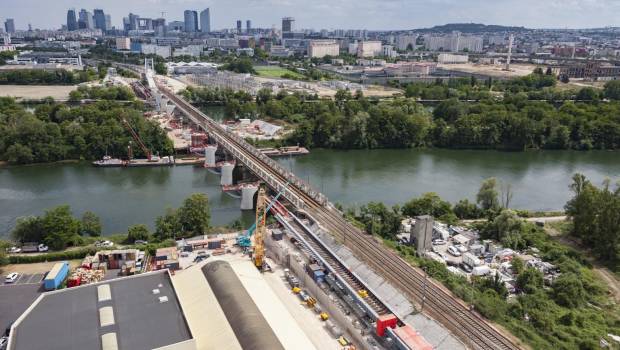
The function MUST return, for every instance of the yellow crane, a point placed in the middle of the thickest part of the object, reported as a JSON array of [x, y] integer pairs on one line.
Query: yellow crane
[[259, 234]]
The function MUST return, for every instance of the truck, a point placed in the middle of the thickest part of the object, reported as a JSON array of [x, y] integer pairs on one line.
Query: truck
[[30, 247], [56, 276]]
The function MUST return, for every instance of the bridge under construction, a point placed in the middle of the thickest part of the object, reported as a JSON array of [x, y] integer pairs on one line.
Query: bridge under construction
[[429, 296]]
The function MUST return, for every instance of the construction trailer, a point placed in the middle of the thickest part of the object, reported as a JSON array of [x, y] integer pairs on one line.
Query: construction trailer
[[56, 276]]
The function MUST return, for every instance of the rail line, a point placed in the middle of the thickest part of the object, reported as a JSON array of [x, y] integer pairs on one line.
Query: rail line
[[439, 304]]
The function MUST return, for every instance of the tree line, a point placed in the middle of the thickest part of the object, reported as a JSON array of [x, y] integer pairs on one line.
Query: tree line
[[54, 131], [58, 228], [352, 121], [46, 77]]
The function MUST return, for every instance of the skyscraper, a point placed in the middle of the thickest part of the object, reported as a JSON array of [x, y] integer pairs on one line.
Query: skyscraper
[[85, 20], [108, 22], [205, 21], [239, 26], [248, 26], [71, 21], [99, 19], [191, 21], [9, 25], [287, 24]]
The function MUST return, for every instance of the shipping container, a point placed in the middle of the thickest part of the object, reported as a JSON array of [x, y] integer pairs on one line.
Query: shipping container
[[56, 276], [214, 244], [408, 339]]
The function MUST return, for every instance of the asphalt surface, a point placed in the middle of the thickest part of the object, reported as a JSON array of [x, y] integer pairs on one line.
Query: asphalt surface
[[16, 297]]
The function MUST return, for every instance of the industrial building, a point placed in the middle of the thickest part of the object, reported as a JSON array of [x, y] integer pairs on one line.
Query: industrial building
[[137, 312], [448, 58], [589, 70]]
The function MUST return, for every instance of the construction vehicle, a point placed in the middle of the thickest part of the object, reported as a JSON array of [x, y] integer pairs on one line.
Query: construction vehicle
[[296, 290], [362, 293], [324, 316], [311, 302]]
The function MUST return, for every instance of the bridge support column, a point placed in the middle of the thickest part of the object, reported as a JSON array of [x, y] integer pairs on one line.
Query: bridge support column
[[247, 196], [210, 155], [227, 174]]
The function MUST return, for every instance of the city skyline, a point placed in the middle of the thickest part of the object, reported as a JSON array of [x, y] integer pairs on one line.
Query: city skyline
[[399, 14]]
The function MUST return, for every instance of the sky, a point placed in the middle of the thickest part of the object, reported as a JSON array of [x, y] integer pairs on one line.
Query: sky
[[334, 14]]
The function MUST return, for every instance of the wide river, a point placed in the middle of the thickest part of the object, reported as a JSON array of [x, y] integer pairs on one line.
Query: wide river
[[122, 197]]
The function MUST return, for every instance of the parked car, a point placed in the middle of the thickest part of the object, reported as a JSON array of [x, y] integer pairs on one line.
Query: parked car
[[461, 248], [466, 267], [202, 253], [140, 241], [439, 241], [104, 244], [43, 248], [184, 254], [11, 277], [14, 250], [454, 251]]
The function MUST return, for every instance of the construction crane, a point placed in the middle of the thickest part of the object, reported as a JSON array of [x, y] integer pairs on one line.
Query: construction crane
[[259, 235], [244, 240], [138, 140]]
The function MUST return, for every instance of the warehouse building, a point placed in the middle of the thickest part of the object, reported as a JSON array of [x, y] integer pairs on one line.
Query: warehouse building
[[138, 312]]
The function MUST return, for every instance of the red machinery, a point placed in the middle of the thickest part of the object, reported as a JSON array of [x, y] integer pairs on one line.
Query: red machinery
[[138, 140]]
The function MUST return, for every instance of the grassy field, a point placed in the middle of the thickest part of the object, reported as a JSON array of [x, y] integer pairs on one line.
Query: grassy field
[[274, 72]]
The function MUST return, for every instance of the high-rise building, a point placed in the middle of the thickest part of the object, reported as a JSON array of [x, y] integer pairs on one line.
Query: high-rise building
[[191, 21], [238, 26], [85, 20], [454, 42], [123, 43], [403, 42], [9, 25], [99, 19], [288, 24], [108, 22], [130, 22], [369, 49], [248, 26], [205, 21], [159, 26], [71, 20]]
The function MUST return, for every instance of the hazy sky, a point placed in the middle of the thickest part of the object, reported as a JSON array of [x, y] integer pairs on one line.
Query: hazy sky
[[330, 14]]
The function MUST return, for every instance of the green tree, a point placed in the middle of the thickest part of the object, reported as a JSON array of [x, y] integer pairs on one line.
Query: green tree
[[91, 224], [138, 232], [194, 214], [568, 291], [530, 280], [507, 228], [60, 228], [464, 209], [612, 90], [429, 204], [487, 196], [160, 68], [517, 265], [28, 229], [168, 225]]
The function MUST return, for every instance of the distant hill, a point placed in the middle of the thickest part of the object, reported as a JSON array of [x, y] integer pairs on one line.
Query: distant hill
[[472, 28]]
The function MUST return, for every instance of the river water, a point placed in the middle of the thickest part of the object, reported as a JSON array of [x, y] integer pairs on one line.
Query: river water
[[126, 196]]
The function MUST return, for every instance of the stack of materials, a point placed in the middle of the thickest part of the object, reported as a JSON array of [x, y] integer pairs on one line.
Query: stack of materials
[[85, 276]]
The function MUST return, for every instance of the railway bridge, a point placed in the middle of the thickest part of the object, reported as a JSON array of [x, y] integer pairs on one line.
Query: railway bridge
[[438, 303]]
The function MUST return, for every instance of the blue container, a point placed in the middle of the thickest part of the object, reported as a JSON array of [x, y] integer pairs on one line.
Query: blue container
[[56, 276]]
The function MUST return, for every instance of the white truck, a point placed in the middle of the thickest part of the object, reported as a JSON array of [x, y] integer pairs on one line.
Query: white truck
[[471, 260]]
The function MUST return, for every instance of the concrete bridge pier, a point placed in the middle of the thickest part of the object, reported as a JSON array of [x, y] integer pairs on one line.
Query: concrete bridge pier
[[210, 155], [247, 196], [227, 173]]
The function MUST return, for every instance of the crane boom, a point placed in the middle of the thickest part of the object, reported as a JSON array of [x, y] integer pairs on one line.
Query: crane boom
[[137, 138]]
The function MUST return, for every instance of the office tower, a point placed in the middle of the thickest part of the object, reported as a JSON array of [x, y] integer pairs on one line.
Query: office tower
[[71, 21], [205, 21], [108, 22], [85, 20], [191, 21], [159, 26], [238, 26], [130, 22], [287, 24], [248, 26], [9, 25], [99, 19]]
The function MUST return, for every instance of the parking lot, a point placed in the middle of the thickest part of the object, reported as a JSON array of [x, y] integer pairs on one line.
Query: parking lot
[[33, 278]]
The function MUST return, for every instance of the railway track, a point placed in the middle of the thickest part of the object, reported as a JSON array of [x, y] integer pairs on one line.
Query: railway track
[[439, 304], [342, 271]]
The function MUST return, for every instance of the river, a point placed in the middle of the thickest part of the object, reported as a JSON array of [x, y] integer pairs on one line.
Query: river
[[126, 196]]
